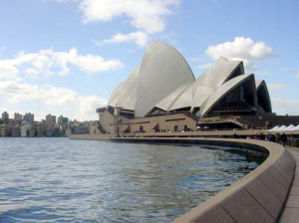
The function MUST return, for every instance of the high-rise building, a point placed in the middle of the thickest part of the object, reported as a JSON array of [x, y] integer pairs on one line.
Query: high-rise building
[[50, 119], [62, 121], [50, 125], [27, 129], [40, 129], [18, 117], [5, 117], [28, 117]]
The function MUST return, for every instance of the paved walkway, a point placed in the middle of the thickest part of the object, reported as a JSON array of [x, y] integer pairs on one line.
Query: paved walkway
[[290, 213]]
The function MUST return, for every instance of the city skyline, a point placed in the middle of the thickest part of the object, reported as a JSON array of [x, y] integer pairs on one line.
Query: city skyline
[[24, 125], [70, 59]]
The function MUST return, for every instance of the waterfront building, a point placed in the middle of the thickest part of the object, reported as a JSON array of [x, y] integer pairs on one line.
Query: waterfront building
[[50, 119], [95, 128], [76, 127], [28, 117], [162, 95], [18, 117], [27, 128], [27, 125], [16, 129], [40, 129], [62, 125], [62, 121], [5, 129], [5, 117], [68, 131], [50, 125]]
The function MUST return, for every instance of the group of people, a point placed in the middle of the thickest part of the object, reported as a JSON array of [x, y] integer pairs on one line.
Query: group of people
[[278, 138]]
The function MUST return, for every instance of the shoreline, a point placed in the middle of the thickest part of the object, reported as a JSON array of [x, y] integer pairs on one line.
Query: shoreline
[[259, 196]]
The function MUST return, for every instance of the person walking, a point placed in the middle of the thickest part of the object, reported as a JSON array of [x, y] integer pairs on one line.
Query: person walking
[[283, 139]]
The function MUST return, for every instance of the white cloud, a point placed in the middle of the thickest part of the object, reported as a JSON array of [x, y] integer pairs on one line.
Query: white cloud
[[7, 70], [297, 75], [284, 106], [277, 86], [48, 62], [86, 107], [18, 91], [205, 66], [139, 38], [143, 14], [53, 98], [241, 48]]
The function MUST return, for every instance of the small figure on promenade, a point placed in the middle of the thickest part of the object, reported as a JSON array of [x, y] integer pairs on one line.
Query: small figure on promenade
[[284, 139], [261, 136], [269, 137]]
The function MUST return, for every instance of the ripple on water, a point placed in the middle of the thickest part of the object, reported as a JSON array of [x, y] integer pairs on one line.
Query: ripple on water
[[60, 180]]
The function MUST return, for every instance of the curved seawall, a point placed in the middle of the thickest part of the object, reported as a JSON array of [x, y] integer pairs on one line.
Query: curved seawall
[[257, 197]]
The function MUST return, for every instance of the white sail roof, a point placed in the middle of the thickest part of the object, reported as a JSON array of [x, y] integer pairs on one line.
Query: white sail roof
[[167, 103], [263, 95], [125, 95], [165, 81], [207, 83], [222, 91], [115, 95], [163, 70]]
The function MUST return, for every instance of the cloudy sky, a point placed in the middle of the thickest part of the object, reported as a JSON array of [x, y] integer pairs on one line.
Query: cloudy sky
[[65, 57]]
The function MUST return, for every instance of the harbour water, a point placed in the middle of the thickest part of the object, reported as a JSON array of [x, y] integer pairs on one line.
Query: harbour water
[[62, 180]]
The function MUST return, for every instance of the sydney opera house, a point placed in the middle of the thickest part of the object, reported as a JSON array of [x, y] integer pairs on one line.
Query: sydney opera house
[[162, 94]]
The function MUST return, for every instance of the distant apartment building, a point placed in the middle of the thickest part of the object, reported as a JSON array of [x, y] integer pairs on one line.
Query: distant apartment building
[[62, 121], [5, 117], [9, 127], [25, 126], [5, 129], [28, 117], [50, 119], [18, 117], [50, 125], [40, 129], [27, 129], [16, 129]]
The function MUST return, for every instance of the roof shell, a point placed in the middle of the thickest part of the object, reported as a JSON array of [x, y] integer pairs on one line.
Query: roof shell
[[219, 73], [115, 95], [224, 90], [163, 70], [125, 95], [261, 88], [206, 84], [127, 100], [166, 103], [215, 77]]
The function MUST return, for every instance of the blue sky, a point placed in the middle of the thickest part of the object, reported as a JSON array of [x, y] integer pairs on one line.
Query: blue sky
[[65, 57]]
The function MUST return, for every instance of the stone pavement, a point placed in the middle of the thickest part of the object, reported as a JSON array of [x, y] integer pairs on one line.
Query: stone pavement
[[290, 214]]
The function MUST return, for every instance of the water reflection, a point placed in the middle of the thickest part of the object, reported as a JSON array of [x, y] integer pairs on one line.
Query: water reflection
[[60, 180]]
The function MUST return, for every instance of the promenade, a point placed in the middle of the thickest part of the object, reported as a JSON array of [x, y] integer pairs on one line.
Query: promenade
[[290, 214]]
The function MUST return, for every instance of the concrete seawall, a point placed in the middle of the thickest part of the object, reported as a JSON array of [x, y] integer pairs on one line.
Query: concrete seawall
[[257, 197], [89, 137]]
